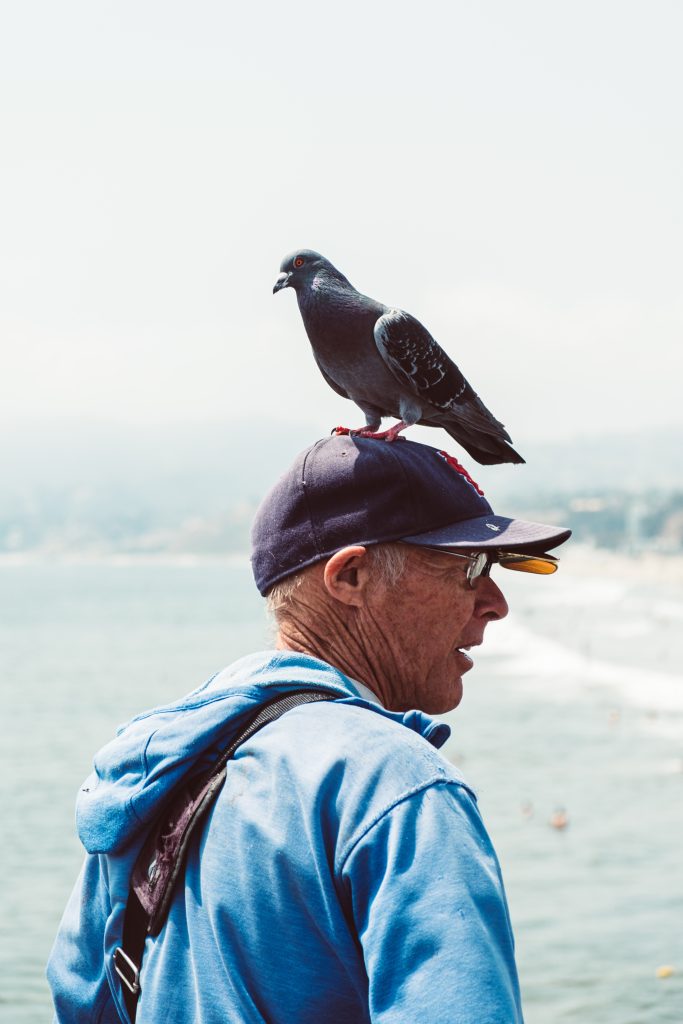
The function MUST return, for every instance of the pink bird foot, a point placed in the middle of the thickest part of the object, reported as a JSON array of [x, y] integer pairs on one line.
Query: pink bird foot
[[392, 434], [353, 432]]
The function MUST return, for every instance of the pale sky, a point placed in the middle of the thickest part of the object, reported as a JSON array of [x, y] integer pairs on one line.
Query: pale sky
[[510, 173]]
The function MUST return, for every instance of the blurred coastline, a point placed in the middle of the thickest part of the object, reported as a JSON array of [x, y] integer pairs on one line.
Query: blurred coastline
[[647, 566], [576, 558], [182, 491]]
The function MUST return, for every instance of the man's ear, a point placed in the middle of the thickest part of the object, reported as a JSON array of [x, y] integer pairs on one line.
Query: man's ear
[[346, 575]]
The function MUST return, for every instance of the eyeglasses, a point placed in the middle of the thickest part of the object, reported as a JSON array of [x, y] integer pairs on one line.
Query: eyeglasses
[[481, 562]]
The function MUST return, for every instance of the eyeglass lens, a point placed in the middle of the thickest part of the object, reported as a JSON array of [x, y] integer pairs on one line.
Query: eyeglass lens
[[480, 565]]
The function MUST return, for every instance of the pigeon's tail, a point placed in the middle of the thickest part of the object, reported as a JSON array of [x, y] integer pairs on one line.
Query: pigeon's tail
[[486, 449]]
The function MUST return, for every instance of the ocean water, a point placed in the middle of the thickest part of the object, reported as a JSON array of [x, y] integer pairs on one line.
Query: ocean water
[[575, 704]]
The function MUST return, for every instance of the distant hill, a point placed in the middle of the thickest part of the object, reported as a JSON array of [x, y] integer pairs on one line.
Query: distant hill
[[634, 463], [175, 486]]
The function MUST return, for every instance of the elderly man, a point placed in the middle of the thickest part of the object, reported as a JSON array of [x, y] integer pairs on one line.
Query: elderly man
[[342, 873]]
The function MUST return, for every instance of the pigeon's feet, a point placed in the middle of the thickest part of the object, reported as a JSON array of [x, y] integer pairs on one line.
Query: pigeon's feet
[[392, 434], [366, 431]]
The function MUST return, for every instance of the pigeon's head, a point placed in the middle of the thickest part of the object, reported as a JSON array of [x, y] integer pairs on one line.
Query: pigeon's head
[[298, 270]]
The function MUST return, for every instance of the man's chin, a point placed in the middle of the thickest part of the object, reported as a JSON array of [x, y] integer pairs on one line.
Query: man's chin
[[446, 700]]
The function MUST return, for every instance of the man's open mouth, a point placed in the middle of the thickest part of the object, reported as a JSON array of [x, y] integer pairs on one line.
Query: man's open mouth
[[464, 651]]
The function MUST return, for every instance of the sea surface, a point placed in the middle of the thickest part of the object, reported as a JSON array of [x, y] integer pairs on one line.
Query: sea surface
[[574, 709]]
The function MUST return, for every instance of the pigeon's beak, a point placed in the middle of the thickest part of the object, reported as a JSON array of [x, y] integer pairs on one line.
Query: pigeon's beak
[[282, 282]]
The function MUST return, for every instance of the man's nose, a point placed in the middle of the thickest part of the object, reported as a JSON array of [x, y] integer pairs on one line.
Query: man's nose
[[490, 600]]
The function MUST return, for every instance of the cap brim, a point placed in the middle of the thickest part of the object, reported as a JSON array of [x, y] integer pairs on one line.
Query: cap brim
[[493, 532]]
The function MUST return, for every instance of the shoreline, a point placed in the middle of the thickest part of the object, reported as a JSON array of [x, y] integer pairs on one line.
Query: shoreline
[[576, 560], [646, 566], [26, 559]]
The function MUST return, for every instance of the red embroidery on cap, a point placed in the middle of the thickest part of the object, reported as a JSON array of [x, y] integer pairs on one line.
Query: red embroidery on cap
[[453, 462]]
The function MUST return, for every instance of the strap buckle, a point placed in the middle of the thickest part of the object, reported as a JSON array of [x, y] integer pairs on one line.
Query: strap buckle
[[127, 970]]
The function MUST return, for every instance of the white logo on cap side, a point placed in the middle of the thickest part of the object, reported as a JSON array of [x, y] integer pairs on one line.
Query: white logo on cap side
[[492, 526]]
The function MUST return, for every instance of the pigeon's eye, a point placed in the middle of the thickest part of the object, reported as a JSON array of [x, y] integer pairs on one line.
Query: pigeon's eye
[[299, 261]]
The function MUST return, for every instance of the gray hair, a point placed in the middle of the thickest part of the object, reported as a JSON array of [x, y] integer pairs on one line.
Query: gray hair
[[387, 561]]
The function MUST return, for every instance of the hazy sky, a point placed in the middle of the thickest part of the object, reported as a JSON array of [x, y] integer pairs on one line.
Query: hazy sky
[[508, 172]]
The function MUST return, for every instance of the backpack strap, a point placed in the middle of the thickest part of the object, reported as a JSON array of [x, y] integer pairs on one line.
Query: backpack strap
[[161, 860]]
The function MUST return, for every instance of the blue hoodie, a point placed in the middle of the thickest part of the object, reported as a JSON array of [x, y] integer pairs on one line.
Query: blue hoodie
[[343, 875]]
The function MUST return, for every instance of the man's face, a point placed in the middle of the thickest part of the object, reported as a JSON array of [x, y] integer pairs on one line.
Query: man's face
[[422, 625]]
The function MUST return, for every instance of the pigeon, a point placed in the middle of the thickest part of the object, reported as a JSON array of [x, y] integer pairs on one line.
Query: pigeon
[[386, 362]]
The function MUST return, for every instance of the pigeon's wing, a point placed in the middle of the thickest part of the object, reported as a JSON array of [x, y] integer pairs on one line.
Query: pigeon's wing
[[419, 363], [333, 384]]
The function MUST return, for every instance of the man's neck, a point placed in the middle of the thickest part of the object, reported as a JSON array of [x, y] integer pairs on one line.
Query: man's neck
[[290, 641]]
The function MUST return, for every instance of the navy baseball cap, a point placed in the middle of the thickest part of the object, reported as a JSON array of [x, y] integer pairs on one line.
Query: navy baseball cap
[[353, 490]]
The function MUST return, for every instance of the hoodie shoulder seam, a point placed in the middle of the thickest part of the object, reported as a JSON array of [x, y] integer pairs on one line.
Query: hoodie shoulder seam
[[434, 780]]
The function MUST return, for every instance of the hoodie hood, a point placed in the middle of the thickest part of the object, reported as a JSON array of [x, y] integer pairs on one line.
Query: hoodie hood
[[135, 772]]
